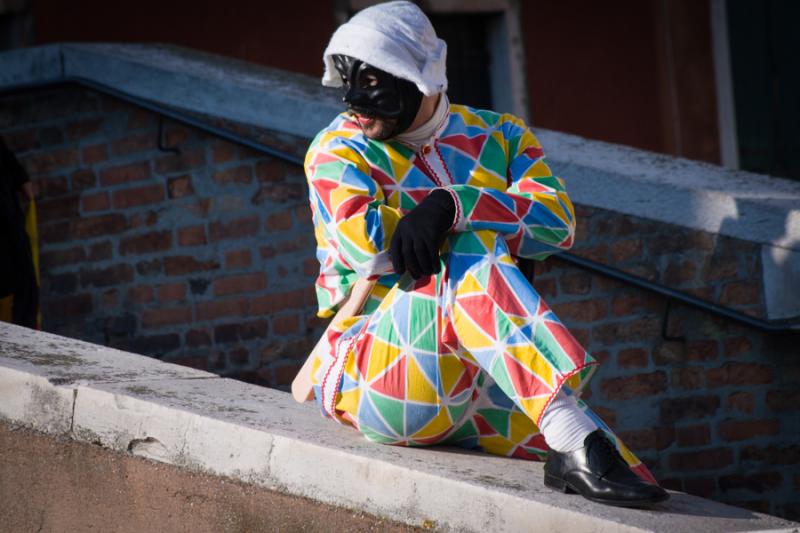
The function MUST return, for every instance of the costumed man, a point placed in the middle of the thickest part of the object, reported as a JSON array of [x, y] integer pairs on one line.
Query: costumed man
[[435, 202], [17, 271]]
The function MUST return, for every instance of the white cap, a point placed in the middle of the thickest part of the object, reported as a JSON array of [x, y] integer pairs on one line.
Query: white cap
[[395, 37]]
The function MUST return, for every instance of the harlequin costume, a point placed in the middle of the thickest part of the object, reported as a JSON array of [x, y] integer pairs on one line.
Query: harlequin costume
[[469, 354]]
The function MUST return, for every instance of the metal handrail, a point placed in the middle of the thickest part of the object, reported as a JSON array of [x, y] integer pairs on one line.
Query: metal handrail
[[580, 262]]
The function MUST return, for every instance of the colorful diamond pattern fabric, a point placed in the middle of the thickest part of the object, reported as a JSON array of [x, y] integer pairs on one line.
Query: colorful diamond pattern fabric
[[359, 188], [469, 357], [473, 355]]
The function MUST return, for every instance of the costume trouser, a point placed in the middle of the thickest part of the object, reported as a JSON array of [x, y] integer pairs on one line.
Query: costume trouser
[[471, 356]]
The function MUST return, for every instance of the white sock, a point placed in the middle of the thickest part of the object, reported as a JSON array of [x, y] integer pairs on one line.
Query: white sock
[[564, 425]]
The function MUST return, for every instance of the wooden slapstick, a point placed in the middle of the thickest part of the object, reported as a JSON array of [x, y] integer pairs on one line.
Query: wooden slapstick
[[302, 388]]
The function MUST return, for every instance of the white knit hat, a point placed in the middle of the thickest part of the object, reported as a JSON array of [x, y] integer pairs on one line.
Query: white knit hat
[[395, 37]]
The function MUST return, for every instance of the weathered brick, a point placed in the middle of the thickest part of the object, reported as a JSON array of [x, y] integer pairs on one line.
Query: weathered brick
[[623, 388], [688, 378], [241, 174], [673, 410], [279, 221], [239, 356], [629, 304], [623, 250], [186, 264], [150, 267], [701, 460], [192, 236], [55, 232], [68, 256], [285, 373], [740, 293], [233, 229], [136, 196], [58, 208], [110, 300], [240, 283], [628, 331], [125, 173], [668, 352], [133, 143], [140, 118], [734, 430], [680, 272], [733, 347], [222, 151], [79, 129], [60, 283], [48, 161], [741, 401], [774, 455], [140, 295], [173, 163], [197, 337], [783, 400], [83, 178], [156, 345], [156, 241], [166, 316], [148, 218], [72, 306], [311, 267], [253, 329], [632, 358], [199, 362], [303, 215], [280, 192], [584, 311], [702, 350], [272, 303], [221, 308], [693, 436], [180, 186], [657, 438], [270, 169], [546, 287], [735, 373], [225, 333], [756, 482], [94, 153], [576, 283], [50, 136], [100, 251], [172, 292], [705, 487], [51, 186], [95, 202], [238, 259], [104, 277], [177, 135], [285, 324]]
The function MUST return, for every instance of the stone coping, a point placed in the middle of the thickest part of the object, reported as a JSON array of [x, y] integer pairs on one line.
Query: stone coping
[[700, 196], [196, 420]]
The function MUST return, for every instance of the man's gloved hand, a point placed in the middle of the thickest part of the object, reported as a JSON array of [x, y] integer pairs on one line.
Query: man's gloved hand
[[420, 233]]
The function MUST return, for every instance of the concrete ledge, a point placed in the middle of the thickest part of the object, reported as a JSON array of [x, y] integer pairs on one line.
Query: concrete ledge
[[202, 422]]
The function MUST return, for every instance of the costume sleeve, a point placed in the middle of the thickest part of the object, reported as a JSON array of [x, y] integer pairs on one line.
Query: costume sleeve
[[349, 206], [534, 213]]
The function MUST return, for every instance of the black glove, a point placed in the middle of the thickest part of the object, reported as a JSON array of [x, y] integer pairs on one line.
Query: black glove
[[420, 233]]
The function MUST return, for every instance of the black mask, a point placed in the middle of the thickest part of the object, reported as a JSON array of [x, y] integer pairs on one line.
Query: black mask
[[373, 92]]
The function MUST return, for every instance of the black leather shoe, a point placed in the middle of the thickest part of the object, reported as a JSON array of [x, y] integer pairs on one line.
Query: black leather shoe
[[600, 474]]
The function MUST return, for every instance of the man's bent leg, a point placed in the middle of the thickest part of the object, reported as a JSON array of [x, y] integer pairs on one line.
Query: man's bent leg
[[495, 315]]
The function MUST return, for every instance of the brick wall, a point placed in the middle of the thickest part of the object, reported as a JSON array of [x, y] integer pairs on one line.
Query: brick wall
[[206, 258]]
